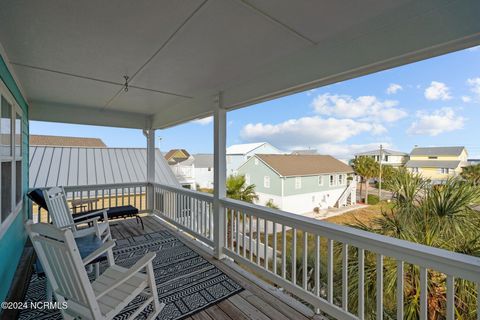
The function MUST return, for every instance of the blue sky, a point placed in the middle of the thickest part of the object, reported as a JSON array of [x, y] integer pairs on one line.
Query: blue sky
[[435, 102]]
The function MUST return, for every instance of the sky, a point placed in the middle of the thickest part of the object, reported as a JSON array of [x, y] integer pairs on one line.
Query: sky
[[435, 102]]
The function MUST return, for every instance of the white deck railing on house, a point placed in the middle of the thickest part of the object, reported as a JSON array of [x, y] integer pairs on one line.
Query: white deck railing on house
[[97, 197], [252, 232]]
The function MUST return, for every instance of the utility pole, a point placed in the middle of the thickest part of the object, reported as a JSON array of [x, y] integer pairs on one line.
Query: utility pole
[[380, 175]]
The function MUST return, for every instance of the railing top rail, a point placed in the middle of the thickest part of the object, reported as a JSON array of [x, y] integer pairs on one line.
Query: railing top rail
[[448, 262], [192, 193], [98, 186]]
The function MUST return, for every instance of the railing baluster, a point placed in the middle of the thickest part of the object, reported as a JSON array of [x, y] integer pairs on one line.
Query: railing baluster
[[361, 283], [237, 232], [379, 287], [317, 265], [330, 270], [294, 256], [423, 293], [305, 260], [284, 252], [257, 231], [450, 297], [232, 214], [244, 249], [478, 300], [250, 230], [345, 276], [274, 262], [265, 243]]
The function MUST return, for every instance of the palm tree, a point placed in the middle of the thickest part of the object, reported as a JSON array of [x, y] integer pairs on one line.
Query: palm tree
[[438, 216], [271, 204], [238, 189], [366, 168], [472, 174]]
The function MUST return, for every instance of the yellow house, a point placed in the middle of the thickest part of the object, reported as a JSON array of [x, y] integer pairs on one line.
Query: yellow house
[[438, 163]]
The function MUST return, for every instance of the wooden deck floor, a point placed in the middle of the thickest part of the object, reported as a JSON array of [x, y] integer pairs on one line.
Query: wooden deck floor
[[252, 303]]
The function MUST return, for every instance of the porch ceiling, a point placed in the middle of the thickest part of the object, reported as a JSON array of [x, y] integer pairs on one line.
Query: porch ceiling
[[70, 56]]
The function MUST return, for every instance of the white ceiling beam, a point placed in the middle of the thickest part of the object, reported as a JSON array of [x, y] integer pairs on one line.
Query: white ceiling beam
[[75, 114], [433, 28]]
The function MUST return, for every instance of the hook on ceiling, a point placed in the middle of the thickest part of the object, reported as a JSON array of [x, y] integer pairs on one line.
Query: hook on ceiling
[[125, 85]]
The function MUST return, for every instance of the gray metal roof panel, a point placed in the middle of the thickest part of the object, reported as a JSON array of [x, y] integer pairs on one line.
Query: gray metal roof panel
[[437, 151], [432, 164], [70, 166], [385, 151], [203, 160]]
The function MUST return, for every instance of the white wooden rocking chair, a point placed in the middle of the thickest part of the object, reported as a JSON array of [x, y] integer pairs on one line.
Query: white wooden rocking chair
[[57, 205], [105, 297]]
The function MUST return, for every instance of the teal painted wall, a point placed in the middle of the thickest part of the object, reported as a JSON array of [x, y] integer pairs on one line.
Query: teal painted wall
[[13, 240], [257, 172]]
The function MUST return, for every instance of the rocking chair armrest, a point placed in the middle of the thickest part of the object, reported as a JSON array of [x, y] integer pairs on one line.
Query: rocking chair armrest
[[137, 267], [94, 220], [104, 248], [104, 211]]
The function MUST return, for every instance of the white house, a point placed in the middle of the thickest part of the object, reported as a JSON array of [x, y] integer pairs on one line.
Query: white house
[[237, 154], [389, 157], [203, 166]]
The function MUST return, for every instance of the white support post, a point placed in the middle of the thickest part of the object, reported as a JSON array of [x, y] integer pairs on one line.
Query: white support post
[[150, 134], [219, 175]]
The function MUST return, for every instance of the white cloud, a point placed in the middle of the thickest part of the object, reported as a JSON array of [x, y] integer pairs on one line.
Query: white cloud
[[437, 91], [466, 99], [307, 131], [203, 121], [439, 121], [394, 88], [474, 84], [366, 107]]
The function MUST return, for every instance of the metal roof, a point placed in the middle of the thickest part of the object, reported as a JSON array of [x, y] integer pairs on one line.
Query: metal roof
[[432, 164], [437, 151], [203, 160], [244, 148], [71, 166], [384, 151]]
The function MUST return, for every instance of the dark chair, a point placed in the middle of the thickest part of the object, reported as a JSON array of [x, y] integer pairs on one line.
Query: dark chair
[[36, 195]]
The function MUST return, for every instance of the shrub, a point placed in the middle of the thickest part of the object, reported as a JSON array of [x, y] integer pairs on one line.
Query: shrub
[[373, 199]]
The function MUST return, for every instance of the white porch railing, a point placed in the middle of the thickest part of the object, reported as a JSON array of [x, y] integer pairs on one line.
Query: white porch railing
[[288, 235], [96, 197]]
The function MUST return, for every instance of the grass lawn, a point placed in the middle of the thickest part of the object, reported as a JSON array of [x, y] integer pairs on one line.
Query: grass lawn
[[364, 215]]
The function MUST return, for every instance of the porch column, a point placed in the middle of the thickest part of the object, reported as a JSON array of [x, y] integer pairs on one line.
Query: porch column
[[150, 134], [219, 175]]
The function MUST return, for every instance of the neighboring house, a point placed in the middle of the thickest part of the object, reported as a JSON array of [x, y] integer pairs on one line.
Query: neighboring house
[[181, 163], [78, 166], [237, 154], [300, 183], [175, 156], [43, 140], [438, 163], [203, 166], [305, 151], [389, 157]]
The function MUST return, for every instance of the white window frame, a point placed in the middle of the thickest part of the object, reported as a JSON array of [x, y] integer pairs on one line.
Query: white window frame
[[332, 182], [341, 181], [266, 182], [444, 170], [320, 180], [16, 207], [298, 182], [247, 179]]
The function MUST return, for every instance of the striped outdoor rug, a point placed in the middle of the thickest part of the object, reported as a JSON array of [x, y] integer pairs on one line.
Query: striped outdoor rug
[[186, 282]]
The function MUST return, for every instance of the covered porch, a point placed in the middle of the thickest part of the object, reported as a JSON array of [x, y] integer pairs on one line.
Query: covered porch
[[151, 66]]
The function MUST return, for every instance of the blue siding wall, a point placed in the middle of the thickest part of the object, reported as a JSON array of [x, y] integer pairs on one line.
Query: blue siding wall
[[13, 240]]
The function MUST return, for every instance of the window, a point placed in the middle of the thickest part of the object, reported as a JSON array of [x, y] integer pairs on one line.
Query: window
[[209, 168], [340, 179], [298, 183], [256, 161], [247, 179], [266, 182], [313, 198], [443, 170], [432, 157], [332, 180], [415, 170], [10, 157], [386, 158], [320, 180]]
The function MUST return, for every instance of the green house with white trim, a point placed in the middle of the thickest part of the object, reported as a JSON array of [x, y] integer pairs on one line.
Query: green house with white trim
[[299, 183]]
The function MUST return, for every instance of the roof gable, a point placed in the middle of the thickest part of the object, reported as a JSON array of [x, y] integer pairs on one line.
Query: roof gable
[[437, 151]]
